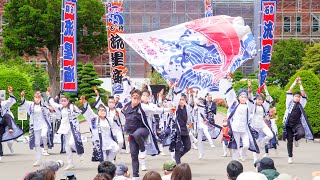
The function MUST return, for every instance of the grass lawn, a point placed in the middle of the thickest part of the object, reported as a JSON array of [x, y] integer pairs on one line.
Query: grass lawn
[[222, 110]]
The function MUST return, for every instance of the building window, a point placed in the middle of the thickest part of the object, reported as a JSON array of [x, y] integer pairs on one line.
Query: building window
[[155, 23], [298, 24], [145, 23], [315, 24], [174, 20], [287, 24], [182, 19], [174, 6]]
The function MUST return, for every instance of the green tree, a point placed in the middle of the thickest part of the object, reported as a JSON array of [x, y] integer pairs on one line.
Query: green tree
[[36, 24], [311, 85], [157, 79], [88, 78], [39, 80], [237, 76], [311, 61], [244, 85], [286, 60], [252, 76], [9, 76]]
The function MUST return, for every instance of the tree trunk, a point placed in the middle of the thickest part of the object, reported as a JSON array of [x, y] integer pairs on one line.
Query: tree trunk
[[54, 73]]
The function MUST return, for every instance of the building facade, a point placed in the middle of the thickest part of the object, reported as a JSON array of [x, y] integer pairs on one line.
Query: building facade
[[297, 19]]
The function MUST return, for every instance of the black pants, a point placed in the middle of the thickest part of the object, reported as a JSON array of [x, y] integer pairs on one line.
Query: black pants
[[1, 152], [186, 147], [6, 122], [136, 142], [296, 132]]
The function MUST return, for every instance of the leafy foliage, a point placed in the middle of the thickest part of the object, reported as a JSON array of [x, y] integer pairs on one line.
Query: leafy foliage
[[157, 79], [244, 85], [40, 80], [312, 59], [19, 82], [286, 60], [34, 25], [237, 76], [311, 85]]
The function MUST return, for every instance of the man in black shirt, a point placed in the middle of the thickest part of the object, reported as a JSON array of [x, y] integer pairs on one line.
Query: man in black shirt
[[294, 115]]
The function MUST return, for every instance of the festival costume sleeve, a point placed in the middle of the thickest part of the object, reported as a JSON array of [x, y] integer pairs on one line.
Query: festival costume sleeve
[[289, 98], [10, 102], [153, 109], [99, 102], [230, 95], [304, 100], [26, 104], [55, 105], [88, 113]]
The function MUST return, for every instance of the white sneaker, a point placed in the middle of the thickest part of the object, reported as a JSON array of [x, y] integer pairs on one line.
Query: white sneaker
[[296, 143], [143, 167], [201, 156], [11, 149], [37, 163], [224, 155], [142, 155], [135, 178], [213, 146], [1, 157], [194, 146], [162, 153], [69, 167], [81, 158], [266, 155], [128, 151], [243, 159], [290, 160], [173, 156], [45, 153]]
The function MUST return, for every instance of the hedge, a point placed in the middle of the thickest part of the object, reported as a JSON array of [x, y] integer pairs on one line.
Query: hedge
[[19, 82], [311, 84]]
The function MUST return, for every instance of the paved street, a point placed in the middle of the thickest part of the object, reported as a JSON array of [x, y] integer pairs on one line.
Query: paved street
[[213, 166]]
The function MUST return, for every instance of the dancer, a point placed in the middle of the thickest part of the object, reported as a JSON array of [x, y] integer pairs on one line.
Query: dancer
[[180, 139], [41, 134], [225, 137], [5, 107], [258, 121], [295, 122], [69, 127], [211, 109], [114, 115], [200, 109], [274, 141], [105, 146], [238, 122], [139, 130]]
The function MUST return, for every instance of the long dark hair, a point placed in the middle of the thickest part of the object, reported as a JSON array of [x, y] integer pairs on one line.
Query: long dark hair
[[181, 172]]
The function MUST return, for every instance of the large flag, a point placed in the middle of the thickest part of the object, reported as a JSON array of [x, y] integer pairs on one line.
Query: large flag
[[68, 58], [197, 53], [268, 17], [117, 49]]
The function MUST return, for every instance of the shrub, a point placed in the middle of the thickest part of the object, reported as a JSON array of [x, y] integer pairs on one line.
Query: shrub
[[19, 82], [275, 92], [244, 85], [311, 84], [221, 102]]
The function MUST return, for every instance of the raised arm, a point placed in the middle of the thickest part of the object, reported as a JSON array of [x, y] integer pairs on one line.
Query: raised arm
[[230, 94], [24, 103], [304, 98], [11, 100], [289, 93], [98, 99], [153, 109], [87, 111], [51, 101]]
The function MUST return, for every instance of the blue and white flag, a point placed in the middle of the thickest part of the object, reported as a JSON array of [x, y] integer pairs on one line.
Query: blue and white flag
[[197, 53]]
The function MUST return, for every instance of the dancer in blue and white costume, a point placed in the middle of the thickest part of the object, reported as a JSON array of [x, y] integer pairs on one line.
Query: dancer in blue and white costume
[[238, 121]]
